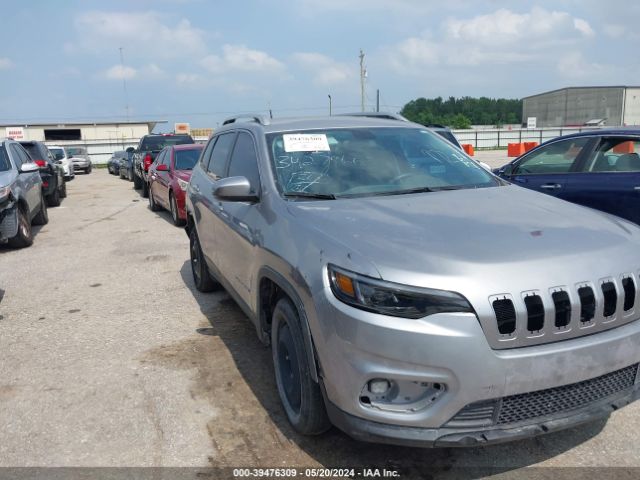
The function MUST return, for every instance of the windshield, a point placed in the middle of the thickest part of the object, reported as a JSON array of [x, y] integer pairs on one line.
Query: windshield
[[371, 161], [76, 151], [57, 153], [159, 142], [187, 159]]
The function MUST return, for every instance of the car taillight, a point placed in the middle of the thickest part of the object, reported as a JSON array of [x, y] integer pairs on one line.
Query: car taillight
[[40, 163], [45, 184], [147, 161]]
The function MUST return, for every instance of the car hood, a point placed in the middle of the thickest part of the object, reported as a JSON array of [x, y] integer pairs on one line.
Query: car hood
[[464, 235], [7, 178]]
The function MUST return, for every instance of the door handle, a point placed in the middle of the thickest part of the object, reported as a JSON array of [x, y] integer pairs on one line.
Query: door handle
[[551, 186], [196, 188]]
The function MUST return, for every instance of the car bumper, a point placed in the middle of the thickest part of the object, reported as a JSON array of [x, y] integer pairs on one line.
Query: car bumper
[[83, 164], [451, 350]]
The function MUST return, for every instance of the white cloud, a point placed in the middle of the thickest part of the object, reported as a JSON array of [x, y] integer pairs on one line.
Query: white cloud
[[324, 69], [241, 58], [573, 65], [5, 63], [583, 27], [188, 78], [118, 72], [140, 33]]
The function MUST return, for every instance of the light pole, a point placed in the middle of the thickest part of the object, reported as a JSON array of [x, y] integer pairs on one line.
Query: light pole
[[329, 104]]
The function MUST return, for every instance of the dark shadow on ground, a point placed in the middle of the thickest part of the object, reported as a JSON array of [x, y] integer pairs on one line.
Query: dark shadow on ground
[[35, 229], [259, 434]]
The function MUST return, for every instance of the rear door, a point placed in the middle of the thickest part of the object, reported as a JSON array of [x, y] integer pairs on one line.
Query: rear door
[[548, 167], [30, 182], [609, 178]]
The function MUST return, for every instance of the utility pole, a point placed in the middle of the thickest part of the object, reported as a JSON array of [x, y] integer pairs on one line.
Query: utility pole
[[377, 100], [124, 85], [329, 104], [363, 74]]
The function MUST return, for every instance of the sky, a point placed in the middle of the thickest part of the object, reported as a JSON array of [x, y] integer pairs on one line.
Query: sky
[[201, 61]]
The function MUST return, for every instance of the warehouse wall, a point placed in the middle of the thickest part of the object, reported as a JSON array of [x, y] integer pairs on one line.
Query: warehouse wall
[[632, 107]]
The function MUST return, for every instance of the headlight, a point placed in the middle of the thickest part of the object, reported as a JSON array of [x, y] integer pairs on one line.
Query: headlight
[[183, 184], [393, 299]]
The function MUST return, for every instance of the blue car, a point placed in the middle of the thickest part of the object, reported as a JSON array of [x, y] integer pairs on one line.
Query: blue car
[[599, 169]]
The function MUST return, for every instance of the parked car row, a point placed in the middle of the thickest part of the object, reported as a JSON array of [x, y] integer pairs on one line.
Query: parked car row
[[31, 178]]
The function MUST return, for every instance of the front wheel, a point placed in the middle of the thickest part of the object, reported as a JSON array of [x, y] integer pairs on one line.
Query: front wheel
[[175, 216], [137, 182], [63, 189], [145, 189], [201, 276], [299, 393], [24, 237], [153, 206]]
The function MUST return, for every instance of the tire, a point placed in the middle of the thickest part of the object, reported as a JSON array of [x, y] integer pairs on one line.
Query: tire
[[88, 170], [63, 190], [201, 276], [177, 221], [130, 174], [137, 182], [145, 189], [42, 217], [24, 237], [153, 206], [300, 395], [53, 200]]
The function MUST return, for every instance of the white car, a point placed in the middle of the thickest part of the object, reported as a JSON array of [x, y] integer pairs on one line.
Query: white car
[[63, 157]]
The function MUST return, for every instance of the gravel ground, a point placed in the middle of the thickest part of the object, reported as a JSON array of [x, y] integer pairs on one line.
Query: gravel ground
[[110, 357]]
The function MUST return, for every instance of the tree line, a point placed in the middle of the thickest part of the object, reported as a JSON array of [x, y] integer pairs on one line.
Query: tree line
[[464, 112]]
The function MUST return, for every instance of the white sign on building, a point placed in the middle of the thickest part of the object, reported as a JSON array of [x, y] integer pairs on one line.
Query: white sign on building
[[183, 128], [16, 133], [531, 122]]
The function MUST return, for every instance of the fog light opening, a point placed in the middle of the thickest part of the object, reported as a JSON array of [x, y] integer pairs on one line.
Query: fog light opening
[[366, 400], [402, 396]]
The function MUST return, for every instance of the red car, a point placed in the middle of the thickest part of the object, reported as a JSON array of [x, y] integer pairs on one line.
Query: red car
[[169, 176]]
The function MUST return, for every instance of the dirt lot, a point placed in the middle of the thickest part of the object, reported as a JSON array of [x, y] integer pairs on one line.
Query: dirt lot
[[110, 357]]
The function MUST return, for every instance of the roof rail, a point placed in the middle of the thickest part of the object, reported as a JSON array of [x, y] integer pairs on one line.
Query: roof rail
[[385, 115], [261, 119]]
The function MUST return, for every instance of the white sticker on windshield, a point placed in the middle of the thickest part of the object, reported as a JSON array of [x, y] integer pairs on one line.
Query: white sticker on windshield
[[306, 142]]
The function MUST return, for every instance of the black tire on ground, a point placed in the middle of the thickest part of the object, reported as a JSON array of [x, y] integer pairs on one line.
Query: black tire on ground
[[177, 221], [88, 170], [24, 237], [63, 189], [153, 206], [42, 217], [145, 189], [300, 395], [201, 276], [137, 182], [109, 169], [53, 199], [130, 174]]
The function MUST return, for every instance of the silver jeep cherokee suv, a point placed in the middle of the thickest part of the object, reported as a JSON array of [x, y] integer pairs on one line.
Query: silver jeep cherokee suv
[[410, 296]]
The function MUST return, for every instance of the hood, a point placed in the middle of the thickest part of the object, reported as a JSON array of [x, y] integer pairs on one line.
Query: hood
[[468, 234]]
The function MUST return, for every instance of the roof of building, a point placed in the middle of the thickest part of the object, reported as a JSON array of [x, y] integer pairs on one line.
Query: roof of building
[[64, 123], [580, 88]]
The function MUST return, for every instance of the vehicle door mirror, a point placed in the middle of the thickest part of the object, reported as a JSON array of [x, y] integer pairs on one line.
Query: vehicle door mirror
[[234, 189], [162, 168], [507, 170], [130, 150], [29, 167]]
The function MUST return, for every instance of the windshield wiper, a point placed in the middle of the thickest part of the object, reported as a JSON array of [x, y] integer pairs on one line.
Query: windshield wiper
[[403, 192], [319, 196]]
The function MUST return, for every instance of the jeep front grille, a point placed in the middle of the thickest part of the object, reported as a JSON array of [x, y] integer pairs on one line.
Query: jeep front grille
[[535, 317], [545, 404]]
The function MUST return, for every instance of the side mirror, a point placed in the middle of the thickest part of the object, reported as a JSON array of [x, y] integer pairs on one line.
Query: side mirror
[[506, 171], [130, 149], [29, 167], [234, 189], [162, 168]]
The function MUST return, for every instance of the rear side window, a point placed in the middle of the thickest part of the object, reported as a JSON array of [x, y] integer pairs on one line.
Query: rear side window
[[220, 154], [32, 148], [20, 156], [186, 159], [5, 164], [158, 142], [244, 161], [615, 154]]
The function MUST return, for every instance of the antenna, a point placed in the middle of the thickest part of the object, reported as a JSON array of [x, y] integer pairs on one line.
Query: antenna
[[124, 85]]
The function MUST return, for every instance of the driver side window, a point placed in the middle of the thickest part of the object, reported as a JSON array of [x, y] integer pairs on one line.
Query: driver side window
[[557, 157]]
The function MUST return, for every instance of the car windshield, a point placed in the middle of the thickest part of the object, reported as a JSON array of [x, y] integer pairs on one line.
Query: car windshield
[[57, 153], [187, 159], [4, 161], [76, 151], [161, 141], [370, 161]]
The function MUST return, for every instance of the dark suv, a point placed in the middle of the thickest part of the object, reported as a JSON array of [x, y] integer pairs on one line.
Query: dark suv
[[54, 186], [148, 148]]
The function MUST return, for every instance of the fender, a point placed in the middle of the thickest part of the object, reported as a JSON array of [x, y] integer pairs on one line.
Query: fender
[[283, 283]]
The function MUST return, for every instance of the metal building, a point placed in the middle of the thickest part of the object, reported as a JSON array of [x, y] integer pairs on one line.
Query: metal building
[[574, 106], [100, 138]]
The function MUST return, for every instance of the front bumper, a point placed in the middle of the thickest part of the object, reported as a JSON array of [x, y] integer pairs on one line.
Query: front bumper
[[81, 164], [451, 350]]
